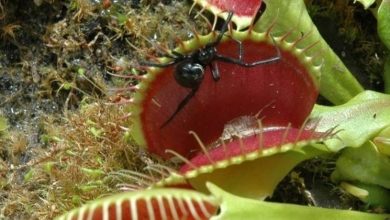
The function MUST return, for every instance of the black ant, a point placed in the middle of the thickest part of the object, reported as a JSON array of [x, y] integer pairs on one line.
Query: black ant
[[189, 69]]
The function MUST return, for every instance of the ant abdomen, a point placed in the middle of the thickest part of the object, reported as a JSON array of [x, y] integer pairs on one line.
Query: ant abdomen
[[189, 74]]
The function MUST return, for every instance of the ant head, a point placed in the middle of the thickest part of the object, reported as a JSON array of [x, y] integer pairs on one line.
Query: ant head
[[189, 74], [206, 55]]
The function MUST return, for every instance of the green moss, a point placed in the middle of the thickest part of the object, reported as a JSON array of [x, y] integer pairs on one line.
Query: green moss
[[3, 124]]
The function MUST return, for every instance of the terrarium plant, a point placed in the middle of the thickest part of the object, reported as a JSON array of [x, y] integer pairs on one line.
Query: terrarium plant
[[236, 108]]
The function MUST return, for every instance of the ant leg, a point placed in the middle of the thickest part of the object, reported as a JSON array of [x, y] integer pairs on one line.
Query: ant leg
[[215, 71], [242, 63], [175, 56], [181, 105], [240, 48], [178, 55], [269, 60], [160, 65]]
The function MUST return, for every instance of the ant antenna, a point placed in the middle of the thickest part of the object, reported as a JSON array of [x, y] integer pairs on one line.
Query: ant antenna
[[224, 28]]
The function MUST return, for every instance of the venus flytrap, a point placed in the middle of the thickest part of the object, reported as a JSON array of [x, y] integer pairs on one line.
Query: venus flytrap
[[277, 97], [337, 83], [264, 90], [359, 120], [383, 16], [363, 168], [237, 208], [382, 13], [365, 173], [175, 204], [249, 166], [244, 11], [363, 164], [386, 75], [179, 204]]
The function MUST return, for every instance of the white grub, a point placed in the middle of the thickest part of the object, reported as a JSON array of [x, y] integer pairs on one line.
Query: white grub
[[244, 126], [240, 127]]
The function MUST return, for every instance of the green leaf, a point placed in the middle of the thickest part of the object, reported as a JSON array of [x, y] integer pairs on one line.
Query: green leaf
[[386, 74], [356, 121], [363, 164], [383, 18], [238, 208]]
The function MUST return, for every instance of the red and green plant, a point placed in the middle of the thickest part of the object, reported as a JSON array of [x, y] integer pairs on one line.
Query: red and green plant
[[245, 132]]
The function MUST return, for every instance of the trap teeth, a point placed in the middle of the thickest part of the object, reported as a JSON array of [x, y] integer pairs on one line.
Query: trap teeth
[[204, 106], [248, 161], [244, 11]]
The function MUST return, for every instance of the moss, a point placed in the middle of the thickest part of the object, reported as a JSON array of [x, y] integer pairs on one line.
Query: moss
[[351, 32]]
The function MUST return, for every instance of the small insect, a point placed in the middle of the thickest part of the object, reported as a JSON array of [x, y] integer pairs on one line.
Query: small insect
[[190, 68]]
